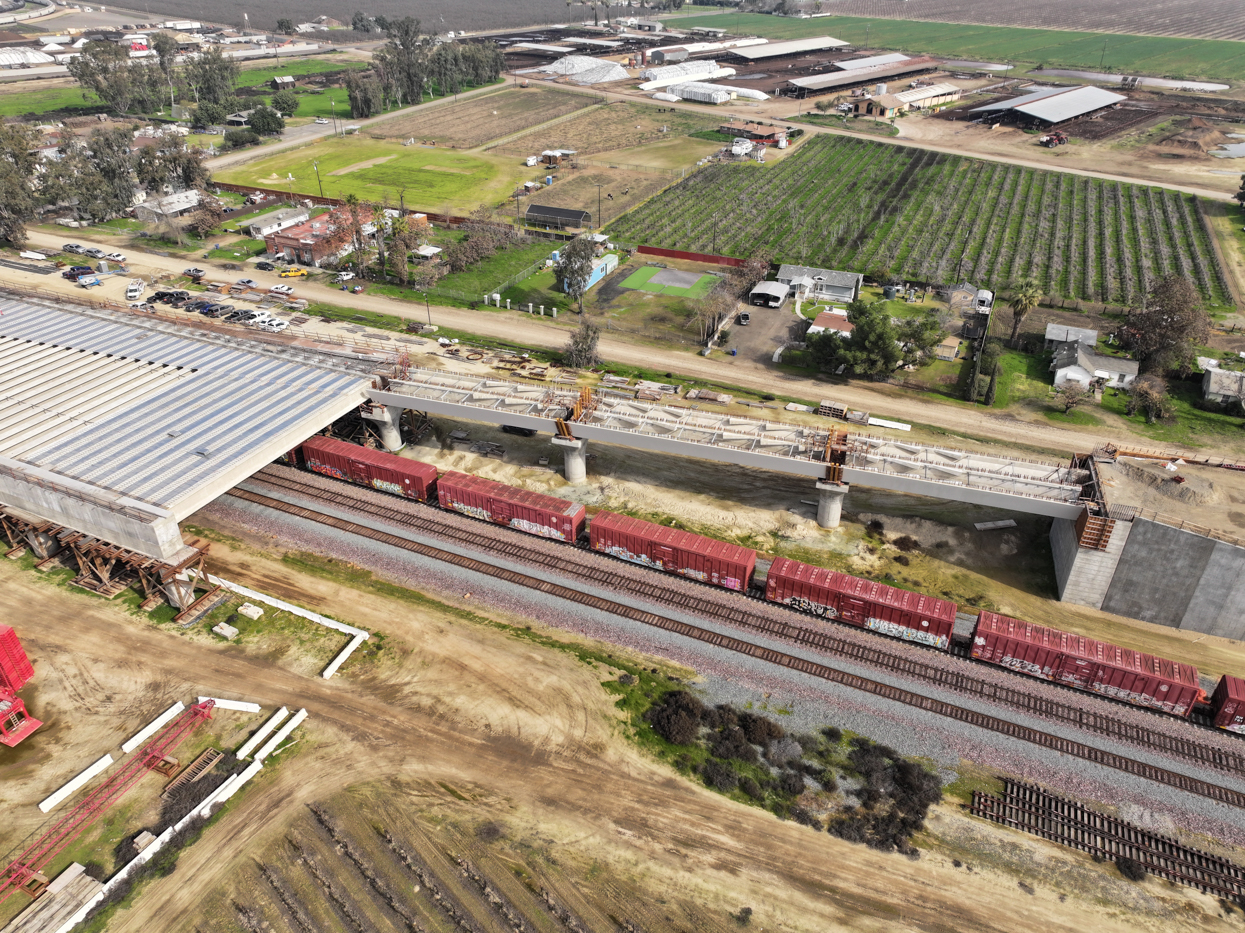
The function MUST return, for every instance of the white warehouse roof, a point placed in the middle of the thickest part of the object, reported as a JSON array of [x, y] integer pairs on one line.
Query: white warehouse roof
[[1056, 104], [912, 95], [793, 47], [870, 61]]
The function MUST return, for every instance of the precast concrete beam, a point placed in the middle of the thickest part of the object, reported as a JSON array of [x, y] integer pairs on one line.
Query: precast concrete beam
[[574, 458], [830, 503], [387, 418]]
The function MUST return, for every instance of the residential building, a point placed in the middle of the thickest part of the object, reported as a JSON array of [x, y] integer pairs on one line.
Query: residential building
[[834, 322], [311, 243], [1075, 362], [1220, 385], [276, 221], [1061, 333], [173, 205], [601, 267], [880, 105], [757, 132], [806, 282]]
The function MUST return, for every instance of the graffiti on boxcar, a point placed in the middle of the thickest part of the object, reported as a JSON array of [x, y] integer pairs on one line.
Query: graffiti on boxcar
[[695, 574], [473, 510], [895, 630], [804, 604], [386, 486], [617, 550], [731, 583], [1137, 699], [327, 470], [1025, 667], [532, 528]]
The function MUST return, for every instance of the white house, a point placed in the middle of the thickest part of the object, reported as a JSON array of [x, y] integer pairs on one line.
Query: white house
[[835, 321], [1219, 385], [1075, 362], [805, 282], [276, 221], [1061, 333]]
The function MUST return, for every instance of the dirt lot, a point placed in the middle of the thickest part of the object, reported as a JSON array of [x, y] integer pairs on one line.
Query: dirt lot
[[576, 188], [618, 126], [475, 122], [469, 727]]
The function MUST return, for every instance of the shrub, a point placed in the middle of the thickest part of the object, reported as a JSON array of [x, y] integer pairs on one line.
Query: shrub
[[719, 775], [827, 781], [720, 717], [783, 751], [875, 527], [490, 831], [236, 139], [832, 734], [791, 783], [750, 787], [677, 717], [805, 818], [1130, 868], [732, 743], [759, 729], [907, 543], [627, 680]]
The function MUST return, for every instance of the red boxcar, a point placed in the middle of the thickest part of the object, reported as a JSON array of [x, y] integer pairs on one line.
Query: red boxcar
[[15, 667], [674, 551], [1094, 666], [863, 603], [375, 468], [1229, 704], [532, 512]]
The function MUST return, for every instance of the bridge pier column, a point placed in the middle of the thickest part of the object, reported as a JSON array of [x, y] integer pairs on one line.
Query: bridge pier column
[[180, 591], [574, 458], [43, 544], [386, 418], [830, 503]]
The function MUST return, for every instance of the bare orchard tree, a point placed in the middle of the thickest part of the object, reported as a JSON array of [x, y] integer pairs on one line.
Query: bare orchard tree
[[1148, 395], [1071, 394], [712, 310]]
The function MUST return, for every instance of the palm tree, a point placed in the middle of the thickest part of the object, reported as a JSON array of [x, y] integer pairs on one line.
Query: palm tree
[[1025, 297]]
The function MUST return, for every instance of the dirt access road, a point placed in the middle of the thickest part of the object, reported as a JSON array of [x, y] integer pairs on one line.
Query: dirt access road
[[748, 372], [528, 734]]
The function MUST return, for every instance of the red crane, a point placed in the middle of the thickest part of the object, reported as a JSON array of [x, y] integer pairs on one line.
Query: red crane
[[25, 873]]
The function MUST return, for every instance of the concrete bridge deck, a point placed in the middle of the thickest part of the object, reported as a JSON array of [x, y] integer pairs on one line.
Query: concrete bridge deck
[[946, 473]]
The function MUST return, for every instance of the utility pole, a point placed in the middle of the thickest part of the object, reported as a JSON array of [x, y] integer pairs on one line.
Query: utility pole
[[333, 108], [715, 234], [316, 166], [1103, 57], [600, 220]]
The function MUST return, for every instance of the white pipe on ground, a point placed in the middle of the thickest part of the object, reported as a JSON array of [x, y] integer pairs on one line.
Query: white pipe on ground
[[239, 705], [281, 736], [345, 653], [60, 795], [151, 727], [253, 742]]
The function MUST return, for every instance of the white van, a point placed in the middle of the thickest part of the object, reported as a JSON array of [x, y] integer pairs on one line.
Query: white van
[[134, 290]]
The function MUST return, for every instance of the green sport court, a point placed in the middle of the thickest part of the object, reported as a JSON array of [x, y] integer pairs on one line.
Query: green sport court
[[670, 282]]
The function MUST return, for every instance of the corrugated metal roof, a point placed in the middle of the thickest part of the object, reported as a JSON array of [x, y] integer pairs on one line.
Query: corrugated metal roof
[[870, 61], [915, 94], [1054, 105], [856, 75], [793, 47], [153, 415]]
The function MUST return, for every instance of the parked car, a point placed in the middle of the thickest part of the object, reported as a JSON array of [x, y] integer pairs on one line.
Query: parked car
[[265, 266], [745, 318], [73, 272], [115, 257], [134, 291], [342, 277], [71, 248], [322, 121], [94, 252], [194, 273], [274, 325], [281, 290], [248, 283], [292, 272]]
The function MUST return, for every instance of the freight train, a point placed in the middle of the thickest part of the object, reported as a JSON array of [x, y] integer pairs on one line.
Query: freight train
[[1023, 647]]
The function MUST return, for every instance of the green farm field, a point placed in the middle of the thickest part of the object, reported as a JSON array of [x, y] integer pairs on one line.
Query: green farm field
[[846, 203], [379, 170], [17, 101], [1211, 59], [253, 77]]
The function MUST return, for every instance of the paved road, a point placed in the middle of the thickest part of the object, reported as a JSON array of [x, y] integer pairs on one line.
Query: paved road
[[749, 370]]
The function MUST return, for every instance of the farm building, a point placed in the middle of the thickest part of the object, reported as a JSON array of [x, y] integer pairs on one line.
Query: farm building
[[276, 221], [559, 217], [241, 118], [601, 267], [935, 95], [949, 349], [807, 282], [555, 156], [649, 25], [667, 56], [427, 252], [880, 105], [310, 243], [1051, 106], [1075, 362], [283, 83], [769, 294], [1061, 333], [834, 322], [757, 132], [831, 81], [173, 205], [1219, 385], [760, 53], [702, 93], [870, 61]]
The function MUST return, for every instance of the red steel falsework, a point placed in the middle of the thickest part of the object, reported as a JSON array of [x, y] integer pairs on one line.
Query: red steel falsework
[[27, 867]]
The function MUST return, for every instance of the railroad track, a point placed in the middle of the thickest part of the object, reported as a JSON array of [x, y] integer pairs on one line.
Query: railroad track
[[1034, 810], [824, 672], [428, 520]]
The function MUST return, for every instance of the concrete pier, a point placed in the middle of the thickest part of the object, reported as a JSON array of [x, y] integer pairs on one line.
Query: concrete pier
[[830, 503], [575, 458], [387, 418]]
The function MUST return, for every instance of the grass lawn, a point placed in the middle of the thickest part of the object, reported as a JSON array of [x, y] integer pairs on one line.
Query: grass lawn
[[852, 124], [1021, 375], [19, 99], [1076, 416], [640, 279], [253, 77], [1190, 426], [239, 249], [946, 378], [383, 170], [1211, 59], [485, 276]]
